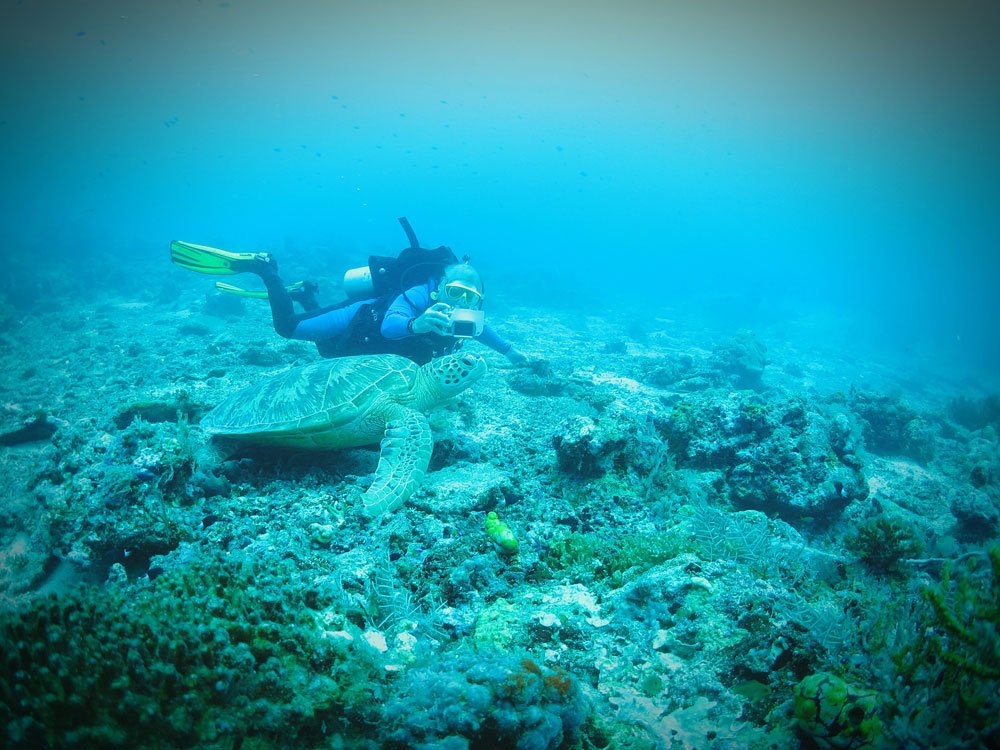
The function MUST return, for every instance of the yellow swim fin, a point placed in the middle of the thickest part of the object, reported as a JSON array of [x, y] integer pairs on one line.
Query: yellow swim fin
[[212, 260], [251, 293], [222, 286]]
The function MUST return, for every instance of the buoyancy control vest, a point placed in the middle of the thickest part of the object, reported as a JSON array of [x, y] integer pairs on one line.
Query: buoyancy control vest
[[382, 280], [385, 274]]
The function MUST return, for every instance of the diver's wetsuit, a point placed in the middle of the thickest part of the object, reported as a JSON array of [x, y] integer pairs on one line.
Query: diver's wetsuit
[[370, 326]]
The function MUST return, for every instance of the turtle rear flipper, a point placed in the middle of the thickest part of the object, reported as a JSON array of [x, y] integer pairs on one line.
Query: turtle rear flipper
[[405, 453]]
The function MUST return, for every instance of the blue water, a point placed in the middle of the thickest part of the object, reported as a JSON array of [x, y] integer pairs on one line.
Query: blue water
[[769, 162]]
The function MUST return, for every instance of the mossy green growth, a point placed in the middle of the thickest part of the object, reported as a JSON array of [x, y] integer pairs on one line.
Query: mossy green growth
[[837, 715], [644, 551], [574, 551], [586, 556], [651, 684], [968, 616], [208, 655], [496, 624], [883, 542], [960, 653]]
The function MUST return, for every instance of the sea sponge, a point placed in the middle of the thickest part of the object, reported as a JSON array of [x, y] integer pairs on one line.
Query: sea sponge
[[484, 698], [835, 714]]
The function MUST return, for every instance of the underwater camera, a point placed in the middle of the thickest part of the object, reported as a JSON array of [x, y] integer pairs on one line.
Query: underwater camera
[[466, 324]]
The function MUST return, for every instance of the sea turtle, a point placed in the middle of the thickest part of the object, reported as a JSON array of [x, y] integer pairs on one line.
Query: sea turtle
[[349, 402]]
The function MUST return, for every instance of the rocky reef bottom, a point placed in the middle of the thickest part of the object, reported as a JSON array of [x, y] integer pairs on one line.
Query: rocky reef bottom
[[724, 539]]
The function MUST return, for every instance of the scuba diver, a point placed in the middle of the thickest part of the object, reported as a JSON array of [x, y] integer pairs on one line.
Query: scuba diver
[[421, 304]]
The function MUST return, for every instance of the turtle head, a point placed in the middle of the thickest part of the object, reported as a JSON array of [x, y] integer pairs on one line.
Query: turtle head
[[448, 376]]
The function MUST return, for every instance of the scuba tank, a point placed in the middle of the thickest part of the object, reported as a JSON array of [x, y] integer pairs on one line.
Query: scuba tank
[[358, 282], [387, 275]]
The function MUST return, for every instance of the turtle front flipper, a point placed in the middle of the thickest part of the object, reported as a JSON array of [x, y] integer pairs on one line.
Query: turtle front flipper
[[405, 452]]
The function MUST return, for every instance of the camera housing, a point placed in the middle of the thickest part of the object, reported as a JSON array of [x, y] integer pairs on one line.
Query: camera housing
[[466, 324]]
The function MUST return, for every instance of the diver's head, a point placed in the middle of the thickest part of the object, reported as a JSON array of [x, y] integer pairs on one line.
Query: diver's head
[[460, 286]]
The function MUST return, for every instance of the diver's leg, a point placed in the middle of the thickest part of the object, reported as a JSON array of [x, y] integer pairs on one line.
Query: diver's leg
[[282, 311], [316, 324], [327, 323]]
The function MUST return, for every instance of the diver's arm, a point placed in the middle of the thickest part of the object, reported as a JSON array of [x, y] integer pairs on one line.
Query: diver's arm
[[494, 340], [406, 307], [497, 343]]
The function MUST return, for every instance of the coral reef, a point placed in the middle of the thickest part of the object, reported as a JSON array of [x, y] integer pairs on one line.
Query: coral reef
[[588, 448], [976, 513], [483, 698], [216, 650], [893, 427], [742, 360], [966, 640], [782, 457], [700, 542], [936, 658], [884, 542], [975, 413]]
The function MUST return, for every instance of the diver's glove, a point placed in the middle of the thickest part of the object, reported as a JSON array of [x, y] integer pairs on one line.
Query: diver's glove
[[516, 358]]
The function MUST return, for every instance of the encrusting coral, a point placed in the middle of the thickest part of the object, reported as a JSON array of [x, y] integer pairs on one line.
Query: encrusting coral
[[213, 652]]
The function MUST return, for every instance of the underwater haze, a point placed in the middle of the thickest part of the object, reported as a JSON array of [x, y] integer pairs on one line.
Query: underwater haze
[[769, 161]]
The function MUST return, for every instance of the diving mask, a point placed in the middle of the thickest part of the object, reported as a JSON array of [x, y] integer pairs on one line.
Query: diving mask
[[458, 293]]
